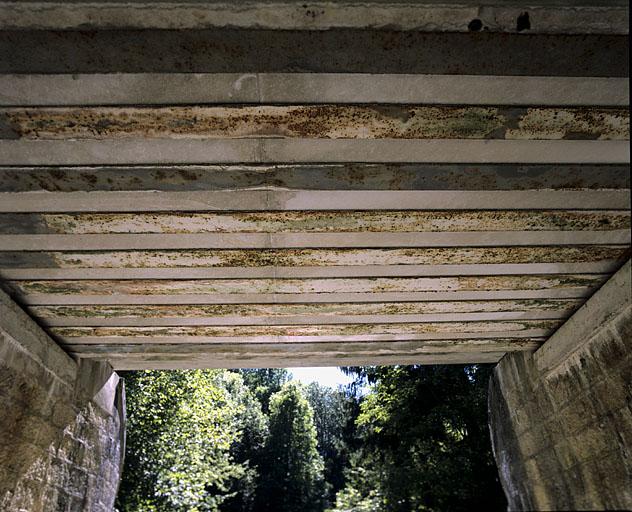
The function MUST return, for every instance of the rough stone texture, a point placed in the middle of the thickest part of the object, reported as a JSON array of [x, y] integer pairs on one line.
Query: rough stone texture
[[62, 423], [561, 419]]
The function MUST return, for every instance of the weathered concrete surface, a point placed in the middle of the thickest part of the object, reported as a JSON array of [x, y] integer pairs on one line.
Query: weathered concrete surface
[[586, 16], [62, 423], [185, 185], [561, 421], [292, 258], [316, 51], [315, 222], [283, 355], [279, 199], [352, 176], [283, 314], [316, 122], [259, 150], [101, 89]]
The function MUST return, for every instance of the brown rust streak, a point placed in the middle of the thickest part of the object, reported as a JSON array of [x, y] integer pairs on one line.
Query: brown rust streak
[[319, 121], [323, 309], [349, 176], [571, 124], [292, 286], [325, 257], [337, 221], [313, 257], [308, 330]]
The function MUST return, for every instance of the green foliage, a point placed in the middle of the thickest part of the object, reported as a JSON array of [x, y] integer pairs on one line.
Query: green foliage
[[425, 444], [334, 416], [292, 473], [247, 451], [181, 427], [250, 441], [264, 382]]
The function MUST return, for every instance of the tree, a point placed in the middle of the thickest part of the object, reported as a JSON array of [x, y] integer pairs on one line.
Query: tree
[[181, 426], [425, 443], [247, 451], [264, 382], [292, 476], [335, 412]]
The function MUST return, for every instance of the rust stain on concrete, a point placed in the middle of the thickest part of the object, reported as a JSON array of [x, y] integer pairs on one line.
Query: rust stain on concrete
[[309, 330], [321, 309], [293, 286], [317, 121], [253, 258], [323, 221], [313, 257]]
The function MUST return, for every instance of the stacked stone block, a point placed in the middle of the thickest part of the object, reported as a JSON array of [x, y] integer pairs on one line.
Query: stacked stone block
[[562, 428], [62, 423]]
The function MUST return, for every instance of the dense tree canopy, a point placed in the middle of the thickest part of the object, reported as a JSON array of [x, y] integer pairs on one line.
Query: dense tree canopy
[[425, 443], [335, 412], [399, 439], [180, 429], [292, 474], [264, 382]]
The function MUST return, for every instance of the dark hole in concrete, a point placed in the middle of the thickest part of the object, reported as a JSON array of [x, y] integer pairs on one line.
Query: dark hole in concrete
[[523, 22], [475, 25]]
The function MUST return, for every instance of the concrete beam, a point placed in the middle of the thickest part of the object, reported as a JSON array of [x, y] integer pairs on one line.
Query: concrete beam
[[594, 16], [351, 176], [358, 122], [275, 199], [307, 333], [308, 88], [312, 263], [267, 272], [269, 150], [325, 51], [279, 355], [267, 291], [307, 240], [361, 222], [306, 314]]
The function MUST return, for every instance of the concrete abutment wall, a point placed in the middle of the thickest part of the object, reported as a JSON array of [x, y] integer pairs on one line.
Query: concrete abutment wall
[[62, 423], [561, 418]]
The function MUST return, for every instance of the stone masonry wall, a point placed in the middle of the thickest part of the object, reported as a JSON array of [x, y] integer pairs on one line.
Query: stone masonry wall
[[61, 423], [561, 419]]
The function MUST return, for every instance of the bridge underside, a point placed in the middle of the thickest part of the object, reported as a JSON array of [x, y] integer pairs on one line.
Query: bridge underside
[[330, 195]]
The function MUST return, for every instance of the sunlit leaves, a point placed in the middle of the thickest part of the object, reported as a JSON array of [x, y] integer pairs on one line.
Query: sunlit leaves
[[181, 427], [292, 474], [425, 444]]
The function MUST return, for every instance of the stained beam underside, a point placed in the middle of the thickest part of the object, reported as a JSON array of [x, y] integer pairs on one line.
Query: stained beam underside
[[240, 213]]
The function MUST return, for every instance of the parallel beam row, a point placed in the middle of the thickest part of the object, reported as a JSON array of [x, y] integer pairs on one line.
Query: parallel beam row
[[288, 291], [165, 356], [236, 197], [284, 314]]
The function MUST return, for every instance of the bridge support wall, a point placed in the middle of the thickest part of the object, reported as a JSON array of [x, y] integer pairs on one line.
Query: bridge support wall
[[561, 418], [62, 423]]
